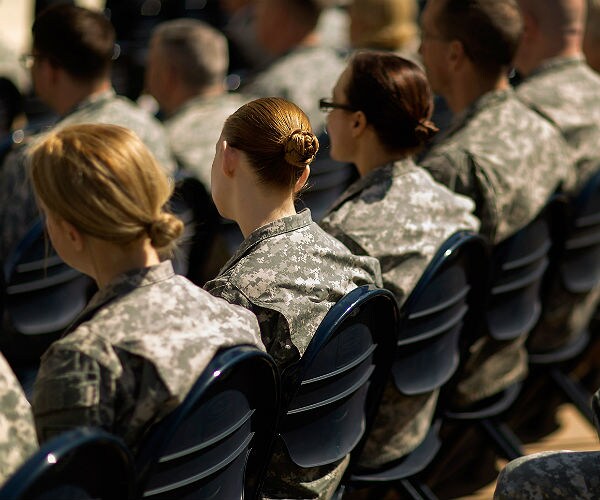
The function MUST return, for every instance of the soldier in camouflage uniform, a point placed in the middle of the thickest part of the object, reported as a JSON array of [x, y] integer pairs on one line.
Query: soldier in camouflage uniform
[[187, 65], [17, 432], [498, 152], [395, 212], [563, 89], [288, 271], [552, 474], [145, 337], [303, 70], [71, 73]]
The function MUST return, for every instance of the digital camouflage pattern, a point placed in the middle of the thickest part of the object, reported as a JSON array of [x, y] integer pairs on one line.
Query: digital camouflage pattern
[[17, 203], [565, 91], [17, 432], [289, 273], [551, 475], [133, 355], [398, 214], [194, 129], [509, 160], [504, 157], [302, 76]]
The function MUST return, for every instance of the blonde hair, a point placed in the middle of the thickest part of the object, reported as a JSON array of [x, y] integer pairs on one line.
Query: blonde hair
[[386, 24], [104, 181], [276, 137]]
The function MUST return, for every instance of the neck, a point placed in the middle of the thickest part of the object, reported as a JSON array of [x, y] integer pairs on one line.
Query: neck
[[74, 93], [108, 260], [183, 94], [464, 94], [370, 153]]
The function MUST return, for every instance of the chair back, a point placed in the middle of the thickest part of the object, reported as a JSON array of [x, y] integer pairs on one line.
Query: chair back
[[217, 442], [331, 394], [85, 463], [518, 267], [41, 297], [444, 307], [580, 263]]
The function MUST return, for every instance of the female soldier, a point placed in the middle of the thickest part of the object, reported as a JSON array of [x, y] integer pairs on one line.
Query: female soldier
[[145, 337], [288, 271], [379, 117]]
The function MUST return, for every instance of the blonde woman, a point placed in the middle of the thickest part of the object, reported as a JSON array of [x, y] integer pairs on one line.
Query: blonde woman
[[288, 271], [144, 338]]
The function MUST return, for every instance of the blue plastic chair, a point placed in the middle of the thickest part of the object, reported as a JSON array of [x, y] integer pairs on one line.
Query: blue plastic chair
[[41, 297], [217, 442], [445, 305], [85, 463], [331, 394]]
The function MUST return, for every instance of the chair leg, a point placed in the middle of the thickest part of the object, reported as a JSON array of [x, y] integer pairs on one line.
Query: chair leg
[[503, 437], [573, 390], [416, 490]]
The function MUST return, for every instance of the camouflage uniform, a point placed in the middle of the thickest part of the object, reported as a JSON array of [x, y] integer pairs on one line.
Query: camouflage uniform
[[565, 91], [303, 76], [289, 273], [134, 353], [17, 437], [510, 161], [193, 131], [17, 204], [400, 215]]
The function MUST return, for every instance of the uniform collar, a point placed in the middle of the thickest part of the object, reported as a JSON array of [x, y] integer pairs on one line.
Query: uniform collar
[[374, 177], [270, 230], [556, 63], [93, 100]]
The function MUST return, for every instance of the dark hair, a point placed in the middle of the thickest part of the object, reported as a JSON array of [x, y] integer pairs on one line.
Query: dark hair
[[79, 40], [395, 97], [276, 137], [306, 11], [489, 30]]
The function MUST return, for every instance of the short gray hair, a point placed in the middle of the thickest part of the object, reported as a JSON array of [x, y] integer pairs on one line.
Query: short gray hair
[[197, 51]]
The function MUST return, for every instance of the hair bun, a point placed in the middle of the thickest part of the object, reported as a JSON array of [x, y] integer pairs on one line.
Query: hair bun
[[165, 230], [425, 130], [300, 148]]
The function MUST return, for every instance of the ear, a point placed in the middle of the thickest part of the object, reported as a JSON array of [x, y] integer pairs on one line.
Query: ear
[[358, 124], [73, 235], [231, 159], [302, 179], [530, 26], [456, 54]]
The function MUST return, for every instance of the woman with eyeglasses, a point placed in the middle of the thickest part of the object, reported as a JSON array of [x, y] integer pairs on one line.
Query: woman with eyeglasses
[[145, 337], [379, 117], [288, 271]]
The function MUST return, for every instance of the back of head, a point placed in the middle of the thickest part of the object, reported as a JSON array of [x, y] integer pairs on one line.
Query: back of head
[[557, 18], [395, 97], [276, 137], [489, 31], [79, 40], [104, 181], [196, 50], [383, 24]]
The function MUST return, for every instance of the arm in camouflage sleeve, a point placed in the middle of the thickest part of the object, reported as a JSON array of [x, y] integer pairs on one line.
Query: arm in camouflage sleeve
[[72, 390]]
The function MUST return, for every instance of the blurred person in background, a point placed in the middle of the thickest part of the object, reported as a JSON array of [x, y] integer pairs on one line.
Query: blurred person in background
[[70, 67], [187, 66], [591, 39]]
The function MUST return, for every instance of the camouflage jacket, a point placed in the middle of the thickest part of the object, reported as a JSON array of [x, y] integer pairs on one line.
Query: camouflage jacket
[[134, 353], [303, 76], [17, 204], [193, 131], [17, 440], [566, 92], [289, 273], [400, 215], [506, 158]]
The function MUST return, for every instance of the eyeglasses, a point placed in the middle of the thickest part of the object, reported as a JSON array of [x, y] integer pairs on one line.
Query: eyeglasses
[[326, 106], [27, 60]]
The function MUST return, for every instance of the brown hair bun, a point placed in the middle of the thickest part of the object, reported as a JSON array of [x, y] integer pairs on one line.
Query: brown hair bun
[[425, 130], [165, 230], [300, 148]]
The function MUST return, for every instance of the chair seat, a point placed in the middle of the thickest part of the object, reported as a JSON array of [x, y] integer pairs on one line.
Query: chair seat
[[489, 407], [569, 351]]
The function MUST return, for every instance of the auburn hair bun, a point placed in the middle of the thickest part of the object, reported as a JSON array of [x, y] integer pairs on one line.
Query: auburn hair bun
[[300, 148]]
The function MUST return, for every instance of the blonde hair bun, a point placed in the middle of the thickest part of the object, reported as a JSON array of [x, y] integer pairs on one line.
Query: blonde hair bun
[[300, 148], [165, 230]]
